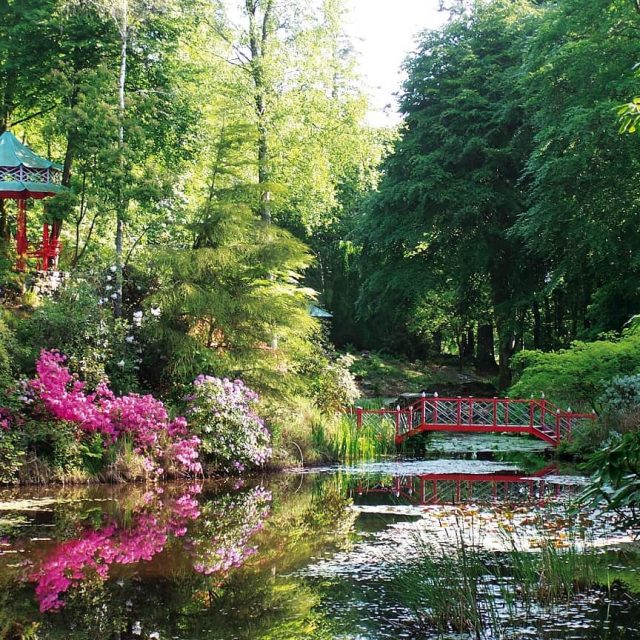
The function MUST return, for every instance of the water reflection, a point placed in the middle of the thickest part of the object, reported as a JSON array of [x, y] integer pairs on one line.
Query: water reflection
[[295, 556], [459, 488]]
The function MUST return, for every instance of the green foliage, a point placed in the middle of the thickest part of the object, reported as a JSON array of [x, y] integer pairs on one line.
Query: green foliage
[[78, 323], [7, 346], [374, 440], [329, 380], [54, 443], [12, 454], [436, 237], [577, 376], [622, 395], [233, 306], [616, 478]]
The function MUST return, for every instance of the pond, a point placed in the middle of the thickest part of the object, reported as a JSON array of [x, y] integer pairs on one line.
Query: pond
[[338, 552]]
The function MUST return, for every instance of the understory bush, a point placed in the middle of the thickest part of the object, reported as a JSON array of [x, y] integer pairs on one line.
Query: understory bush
[[11, 454], [330, 382], [64, 426], [619, 413], [578, 376], [222, 413], [78, 322], [6, 345]]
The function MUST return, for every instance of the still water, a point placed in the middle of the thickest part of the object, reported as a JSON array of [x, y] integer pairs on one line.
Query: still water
[[318, 555]]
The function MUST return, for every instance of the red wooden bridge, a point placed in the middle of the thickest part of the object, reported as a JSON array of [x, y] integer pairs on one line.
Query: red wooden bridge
[[458, 488], [539, 417]]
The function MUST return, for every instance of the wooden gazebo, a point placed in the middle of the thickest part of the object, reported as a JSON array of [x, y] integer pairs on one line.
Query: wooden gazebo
[[25, 175]]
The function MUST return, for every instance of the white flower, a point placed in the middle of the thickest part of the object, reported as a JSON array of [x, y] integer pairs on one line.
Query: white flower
[[108, 278], [155, 311], [108, 287], [154, 636], [101, 301], [136, 628], [137, 315], [113, 268], [114, 296], [121, 364], [129, 339]]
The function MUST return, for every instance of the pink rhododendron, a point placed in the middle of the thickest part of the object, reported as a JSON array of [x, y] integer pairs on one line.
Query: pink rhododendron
[[222, 413], [142, 418]]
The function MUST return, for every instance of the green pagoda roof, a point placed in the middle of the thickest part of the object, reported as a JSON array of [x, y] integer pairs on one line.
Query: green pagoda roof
[[318, 312], [23, 174], [15, 154]]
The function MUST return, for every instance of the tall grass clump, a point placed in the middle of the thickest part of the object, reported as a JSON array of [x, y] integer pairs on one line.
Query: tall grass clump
[[448, 590], [373, 440], [460, 587]]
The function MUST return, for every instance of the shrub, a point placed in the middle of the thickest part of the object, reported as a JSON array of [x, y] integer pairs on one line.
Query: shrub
[[577, 376], [11, 453], [6, 345], [222, 414], [165, 444], [621, 400], [78, 322], [332, 384]]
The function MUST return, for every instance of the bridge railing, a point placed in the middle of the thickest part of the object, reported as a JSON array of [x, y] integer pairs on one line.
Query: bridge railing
[[538, 416]]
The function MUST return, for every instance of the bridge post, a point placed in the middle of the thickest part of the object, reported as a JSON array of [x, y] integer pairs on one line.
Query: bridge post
[[531, 413], [410, 420], [459, 416], [397, 422], [359, 417], [424, 410], [495, 411], [558, 426], [435, 408]]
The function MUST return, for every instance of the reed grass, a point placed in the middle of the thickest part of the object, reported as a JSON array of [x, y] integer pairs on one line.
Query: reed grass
[[466, 589], [372, 441]]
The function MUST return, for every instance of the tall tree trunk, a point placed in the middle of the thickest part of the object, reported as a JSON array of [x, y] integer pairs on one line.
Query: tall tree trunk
[[506, 347], [259, 34], [537, 325], [122, 205], [485, 355], [471, 343]]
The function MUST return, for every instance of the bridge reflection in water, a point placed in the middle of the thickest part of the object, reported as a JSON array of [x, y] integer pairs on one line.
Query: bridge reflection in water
[[461, 488]]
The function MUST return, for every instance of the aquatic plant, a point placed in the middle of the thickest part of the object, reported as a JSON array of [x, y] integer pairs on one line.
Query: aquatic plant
[[371, 440], [462, 587], [222, 413], [449, 590]]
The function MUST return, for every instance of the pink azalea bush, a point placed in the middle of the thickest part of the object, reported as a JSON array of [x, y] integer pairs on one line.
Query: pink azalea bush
[[141, 418], [222, 414]]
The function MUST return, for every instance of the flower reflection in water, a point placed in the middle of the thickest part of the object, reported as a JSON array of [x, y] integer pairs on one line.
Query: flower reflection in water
[[215, 537]]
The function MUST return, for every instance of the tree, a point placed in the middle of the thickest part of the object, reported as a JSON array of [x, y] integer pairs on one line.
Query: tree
[[451, 191]]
